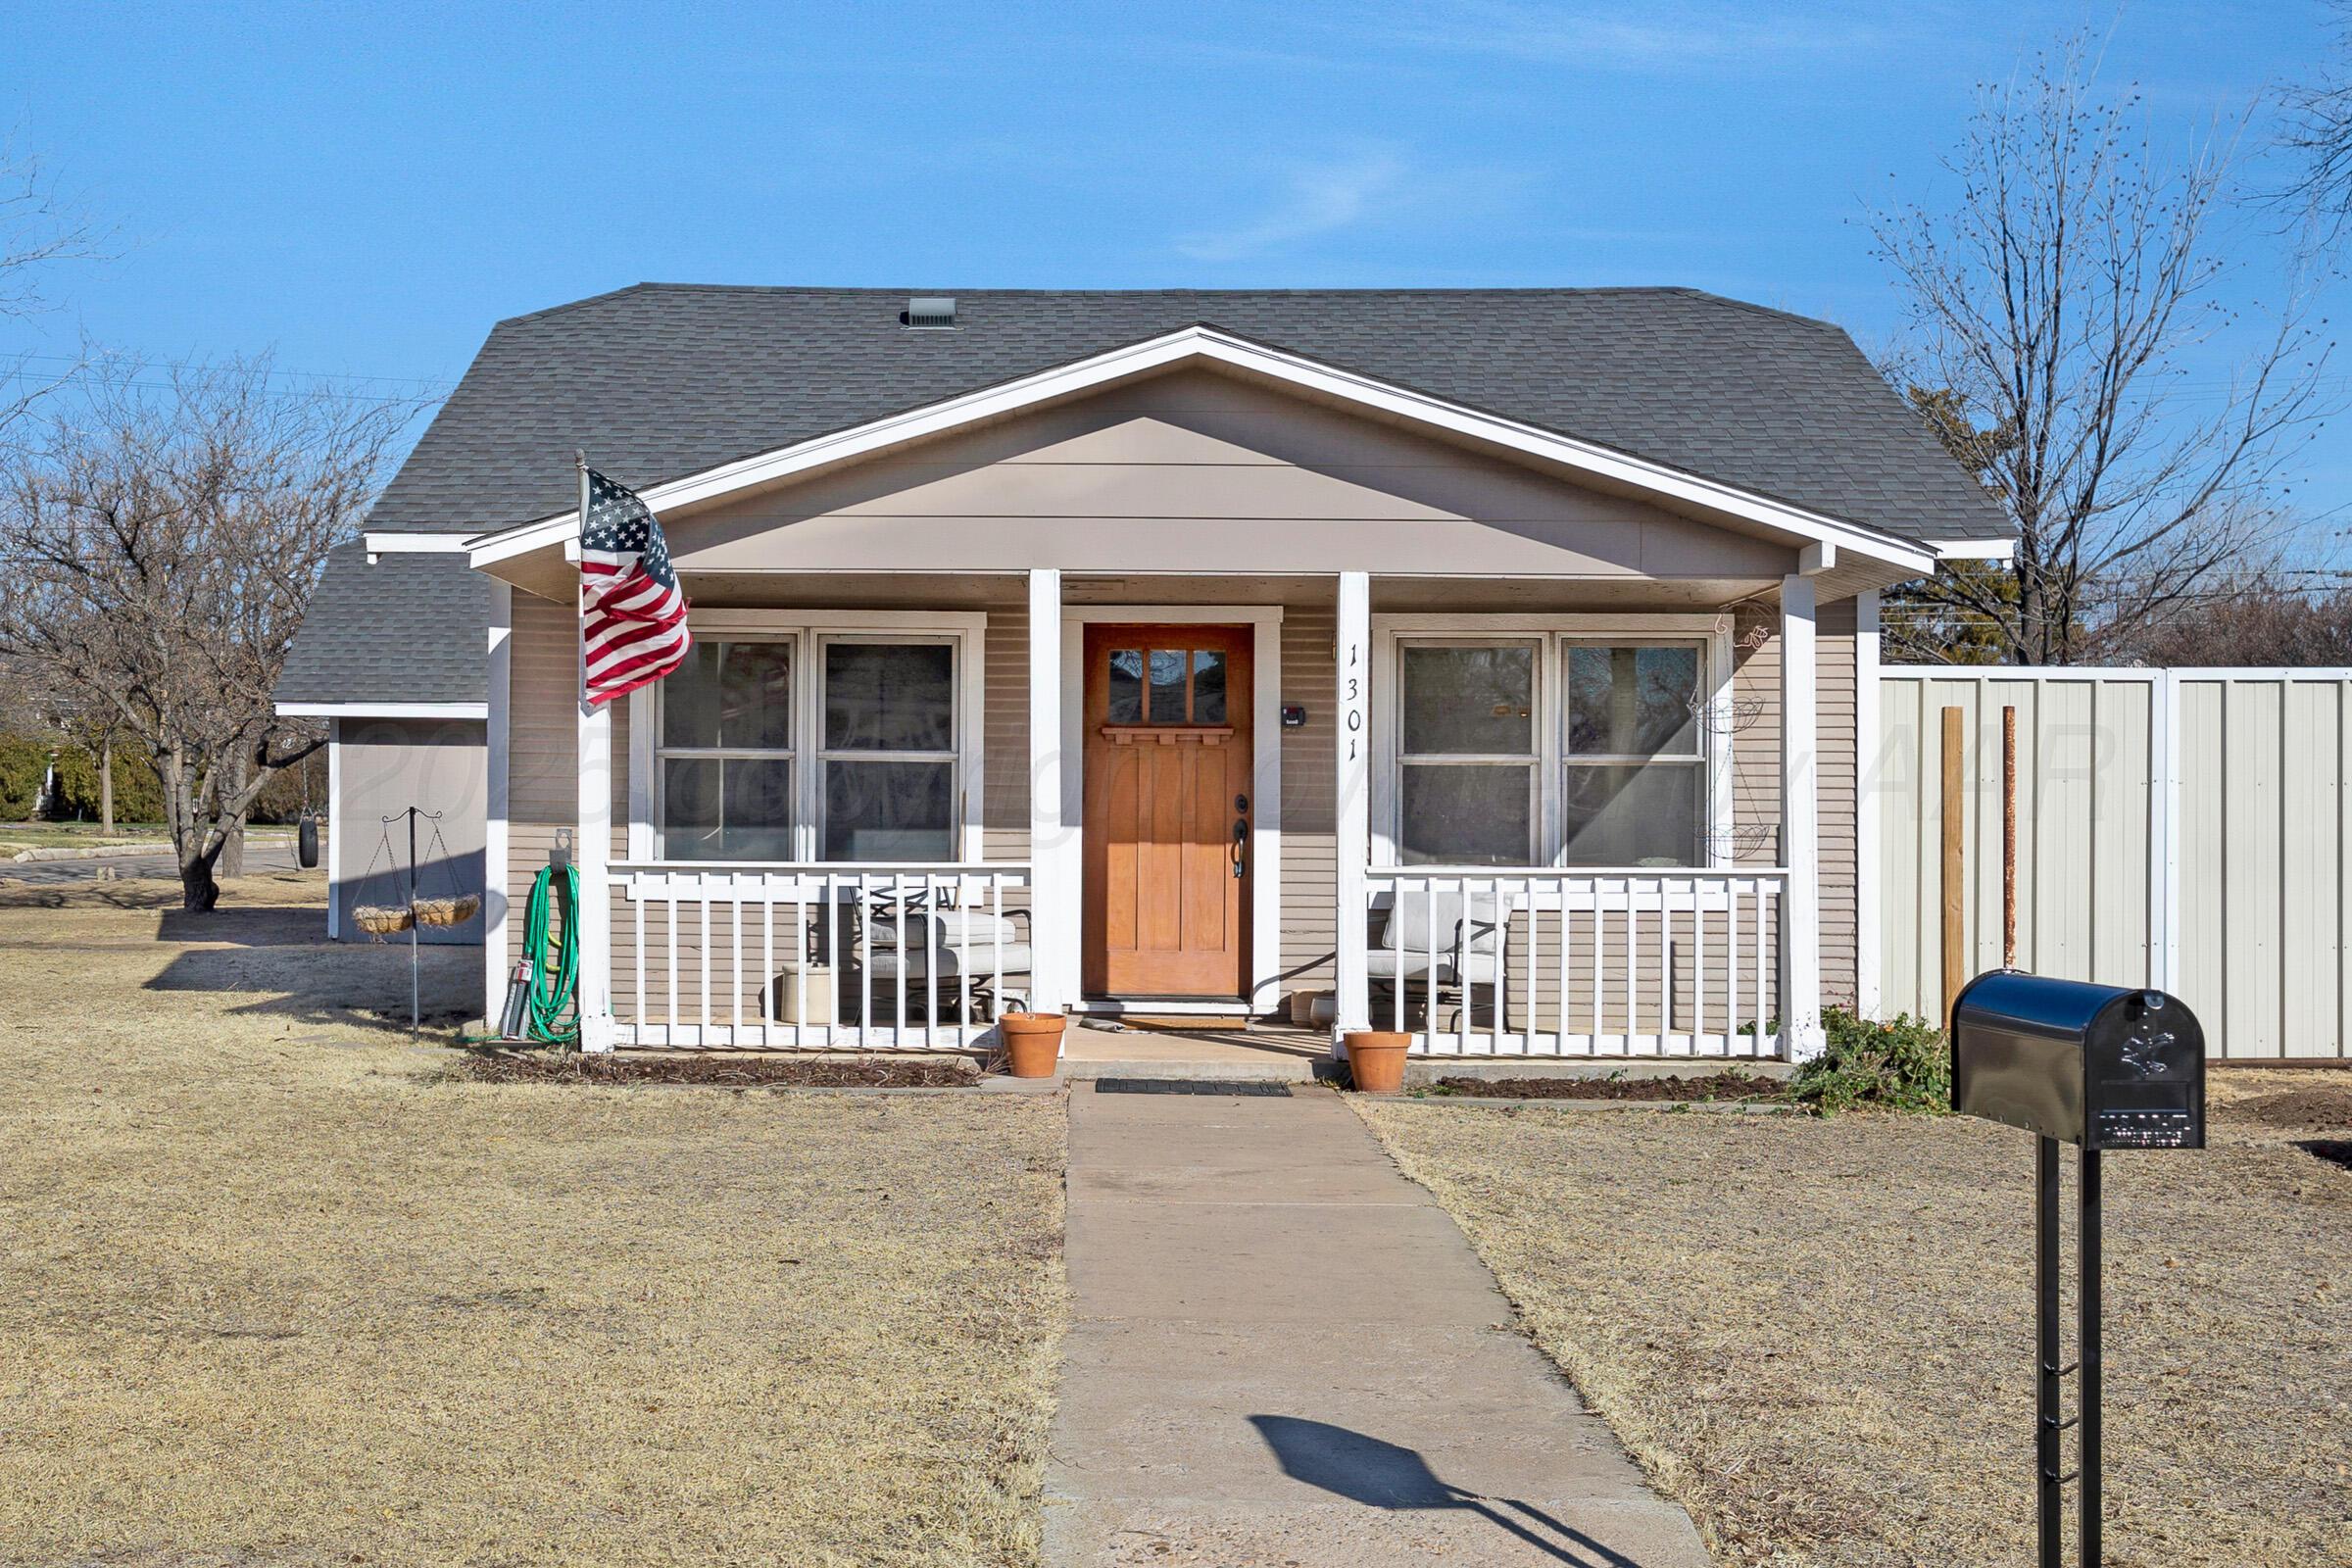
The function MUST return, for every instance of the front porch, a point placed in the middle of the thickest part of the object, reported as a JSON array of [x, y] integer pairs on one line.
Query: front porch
[[1319, 883]]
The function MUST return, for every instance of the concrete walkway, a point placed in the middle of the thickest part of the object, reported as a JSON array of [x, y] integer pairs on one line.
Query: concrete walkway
[[1285, 1353]]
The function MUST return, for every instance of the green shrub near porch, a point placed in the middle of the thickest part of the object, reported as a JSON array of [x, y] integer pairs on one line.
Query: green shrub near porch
[[1900, 1064]]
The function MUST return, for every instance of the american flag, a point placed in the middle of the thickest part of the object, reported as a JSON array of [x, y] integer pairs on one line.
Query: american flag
[[632, 615]]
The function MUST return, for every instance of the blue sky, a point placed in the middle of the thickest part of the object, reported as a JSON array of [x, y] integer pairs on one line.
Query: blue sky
[[365, 189]]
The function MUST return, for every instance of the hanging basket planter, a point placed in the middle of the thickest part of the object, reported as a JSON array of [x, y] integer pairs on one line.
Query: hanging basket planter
[[447, 912], [382, 920]]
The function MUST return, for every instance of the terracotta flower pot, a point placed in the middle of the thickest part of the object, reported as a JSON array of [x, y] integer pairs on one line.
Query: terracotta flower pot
[[1032, 1043], [1376, 1060]]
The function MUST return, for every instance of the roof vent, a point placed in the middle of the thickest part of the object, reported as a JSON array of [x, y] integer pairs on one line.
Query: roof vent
[[934, 313]]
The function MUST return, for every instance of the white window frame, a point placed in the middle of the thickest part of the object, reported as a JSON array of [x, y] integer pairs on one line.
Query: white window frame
[[1554, 635], [810, 632]]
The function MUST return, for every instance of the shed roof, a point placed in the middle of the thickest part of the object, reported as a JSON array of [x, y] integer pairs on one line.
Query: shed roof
[[409, 628]]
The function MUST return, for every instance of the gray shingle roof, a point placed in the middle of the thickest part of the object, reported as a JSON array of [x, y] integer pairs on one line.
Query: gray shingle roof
[[406, 629], [664, 381]]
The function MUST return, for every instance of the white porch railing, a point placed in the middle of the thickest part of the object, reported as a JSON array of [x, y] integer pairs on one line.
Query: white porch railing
[[833, 956], [1479, 960]]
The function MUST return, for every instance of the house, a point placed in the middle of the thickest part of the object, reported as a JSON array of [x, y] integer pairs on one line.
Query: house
[[1484, 662], [391, 655]]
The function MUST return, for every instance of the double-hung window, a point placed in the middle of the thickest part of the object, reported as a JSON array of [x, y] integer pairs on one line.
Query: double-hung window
[[1550, 749], [1470, 749], [1634, 787], [726, 758], [814, 744]]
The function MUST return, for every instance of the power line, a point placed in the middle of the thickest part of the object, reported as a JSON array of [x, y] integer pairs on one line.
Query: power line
[[213, 364]]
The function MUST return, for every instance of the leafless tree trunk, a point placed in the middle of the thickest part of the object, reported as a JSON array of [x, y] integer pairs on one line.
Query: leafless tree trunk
[[2054, 304], [161, 548]]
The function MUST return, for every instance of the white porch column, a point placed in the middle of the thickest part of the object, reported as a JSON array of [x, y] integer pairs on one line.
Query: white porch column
[[592, 848], [1800, 827], [1353, 648], [1868, 738], [333, 847], [497, 959], [1055, 868]]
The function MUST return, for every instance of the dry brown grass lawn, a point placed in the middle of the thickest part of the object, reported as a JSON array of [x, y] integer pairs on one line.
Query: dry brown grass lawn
[[1817, 1334], [276, 1290]]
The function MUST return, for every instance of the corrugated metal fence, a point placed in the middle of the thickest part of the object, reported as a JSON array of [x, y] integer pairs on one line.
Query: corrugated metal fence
[[2184, 828]]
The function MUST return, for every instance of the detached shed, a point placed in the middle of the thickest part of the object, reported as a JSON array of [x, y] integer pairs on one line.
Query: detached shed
[[393, 656]]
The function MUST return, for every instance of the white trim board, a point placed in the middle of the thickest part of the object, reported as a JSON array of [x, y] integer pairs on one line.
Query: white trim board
[[1265, 768], [383, 710], [335, 829], [1869, 734], [497, 882], [1205, 345], [390, 543]]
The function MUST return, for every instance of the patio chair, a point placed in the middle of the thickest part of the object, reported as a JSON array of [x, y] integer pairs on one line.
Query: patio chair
[[1469, 951], [936, 950]]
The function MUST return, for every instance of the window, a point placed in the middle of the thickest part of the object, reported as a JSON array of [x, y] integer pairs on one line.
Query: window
[[1491, 768], [1166, 686], [726, 754], [806, 745], [1468, 746], [1635, 779], [890, 750]]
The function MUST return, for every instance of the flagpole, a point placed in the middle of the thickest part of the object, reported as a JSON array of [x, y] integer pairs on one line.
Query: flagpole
[[593, 846]]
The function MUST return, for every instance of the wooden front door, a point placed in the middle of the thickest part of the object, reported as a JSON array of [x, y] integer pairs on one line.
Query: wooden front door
[[1168, 810]]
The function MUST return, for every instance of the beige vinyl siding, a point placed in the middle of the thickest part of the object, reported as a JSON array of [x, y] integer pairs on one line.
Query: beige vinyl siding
[[1310, 780], [1197, 471], [1835, 744], [1005, 798], [1756, 769]]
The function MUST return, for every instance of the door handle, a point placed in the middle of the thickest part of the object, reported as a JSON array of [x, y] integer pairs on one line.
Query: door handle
[[1241, 847]]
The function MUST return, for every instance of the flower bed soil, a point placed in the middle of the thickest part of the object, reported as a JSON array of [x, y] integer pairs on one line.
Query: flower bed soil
[[723, 1072], [1701, 1086]]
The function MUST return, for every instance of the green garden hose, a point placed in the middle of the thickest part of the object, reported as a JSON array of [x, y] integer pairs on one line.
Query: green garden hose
[[554, 958]]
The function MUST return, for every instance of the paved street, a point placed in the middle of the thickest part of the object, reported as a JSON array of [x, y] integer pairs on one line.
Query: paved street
[[261, 854]]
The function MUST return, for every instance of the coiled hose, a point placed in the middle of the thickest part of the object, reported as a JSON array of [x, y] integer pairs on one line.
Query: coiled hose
[[554, 957]]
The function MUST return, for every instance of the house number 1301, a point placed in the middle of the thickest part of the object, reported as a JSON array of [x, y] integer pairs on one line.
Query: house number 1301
[[1353, 704]]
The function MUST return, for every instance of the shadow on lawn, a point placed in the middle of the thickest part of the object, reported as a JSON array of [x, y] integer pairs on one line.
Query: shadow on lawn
[[1378, 1474], [332, 983]]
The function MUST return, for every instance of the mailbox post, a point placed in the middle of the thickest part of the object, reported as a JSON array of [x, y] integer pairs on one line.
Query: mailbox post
[[2100, 1068]]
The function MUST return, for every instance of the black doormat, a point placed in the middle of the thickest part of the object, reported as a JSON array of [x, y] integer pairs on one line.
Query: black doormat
[[1192, 1086]]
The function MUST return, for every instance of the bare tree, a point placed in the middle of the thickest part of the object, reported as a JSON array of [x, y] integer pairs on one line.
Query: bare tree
[[160, 541], [2317, 133], [2276, 618], [37, 230], [2054, 309]]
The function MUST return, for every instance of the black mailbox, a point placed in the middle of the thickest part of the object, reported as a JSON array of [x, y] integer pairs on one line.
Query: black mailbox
[[2102, 1066]]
